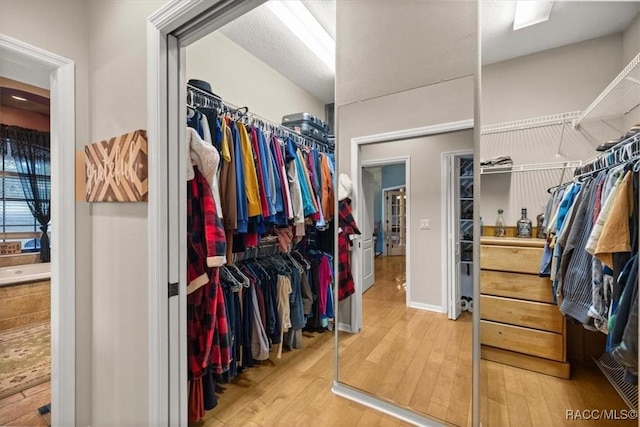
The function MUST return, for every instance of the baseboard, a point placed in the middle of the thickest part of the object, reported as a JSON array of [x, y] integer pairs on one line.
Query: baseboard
[[344, 327], [427, 307]]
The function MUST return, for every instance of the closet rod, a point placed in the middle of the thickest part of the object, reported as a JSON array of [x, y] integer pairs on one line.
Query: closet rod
[[625, 151], [534, 122], [272, 126]]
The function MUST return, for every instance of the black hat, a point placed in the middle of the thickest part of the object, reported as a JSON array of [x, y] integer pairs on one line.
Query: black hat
[[203, 86]]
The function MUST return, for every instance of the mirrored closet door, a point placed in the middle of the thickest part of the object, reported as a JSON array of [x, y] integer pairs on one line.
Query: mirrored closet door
[[559, 154], [405, 157]]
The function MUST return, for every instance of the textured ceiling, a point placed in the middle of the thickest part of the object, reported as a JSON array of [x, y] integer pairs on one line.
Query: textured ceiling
[[570, 22], [264, 36]]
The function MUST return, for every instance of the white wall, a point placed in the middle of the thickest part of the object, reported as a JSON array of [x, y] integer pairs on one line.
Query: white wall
[[385, 47], [630, 48], [419, 74], [555, 81], [243, 80], [62, 27], [117, 48]]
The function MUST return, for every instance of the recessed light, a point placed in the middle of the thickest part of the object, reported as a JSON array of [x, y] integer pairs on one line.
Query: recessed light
[[18, 98], [295, 16]]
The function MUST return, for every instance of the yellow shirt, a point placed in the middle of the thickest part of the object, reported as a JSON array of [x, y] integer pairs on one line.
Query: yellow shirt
[[250, 176], [224, 146]]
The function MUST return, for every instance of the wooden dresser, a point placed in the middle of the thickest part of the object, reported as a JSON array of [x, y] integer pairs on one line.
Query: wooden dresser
[[520, 325]]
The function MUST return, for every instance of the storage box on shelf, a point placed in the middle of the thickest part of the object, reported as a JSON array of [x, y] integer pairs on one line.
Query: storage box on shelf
[[520, 324]]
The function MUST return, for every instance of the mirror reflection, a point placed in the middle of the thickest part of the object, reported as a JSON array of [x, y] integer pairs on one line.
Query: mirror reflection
[[407, 351], [405, 142], [558, 316]]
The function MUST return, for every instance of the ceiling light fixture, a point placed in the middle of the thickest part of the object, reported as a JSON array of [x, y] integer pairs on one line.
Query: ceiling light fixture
[[18, 98], [531, 12], [295, 16]]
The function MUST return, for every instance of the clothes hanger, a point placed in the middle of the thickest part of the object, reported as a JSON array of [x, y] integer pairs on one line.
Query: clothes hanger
[[246, 282], [229, 277]]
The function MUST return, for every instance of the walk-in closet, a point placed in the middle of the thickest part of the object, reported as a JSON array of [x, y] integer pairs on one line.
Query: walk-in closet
[[559, 201], [260, 220]]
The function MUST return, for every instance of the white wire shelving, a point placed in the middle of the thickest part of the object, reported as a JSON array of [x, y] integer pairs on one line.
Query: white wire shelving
[[619, 98], [488, 170], [554, 119]]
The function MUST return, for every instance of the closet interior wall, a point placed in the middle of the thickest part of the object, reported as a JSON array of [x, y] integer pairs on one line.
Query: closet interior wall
[[548, 82]]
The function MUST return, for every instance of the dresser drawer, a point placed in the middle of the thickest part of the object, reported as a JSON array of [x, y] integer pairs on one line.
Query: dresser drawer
[[510, 258], [516, 285], [530, 314], [523, 340]]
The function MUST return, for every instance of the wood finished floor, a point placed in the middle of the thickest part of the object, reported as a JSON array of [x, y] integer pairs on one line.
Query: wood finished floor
[[431, 372], [517, 397], [21, 409], [415, 358], [292, 391]]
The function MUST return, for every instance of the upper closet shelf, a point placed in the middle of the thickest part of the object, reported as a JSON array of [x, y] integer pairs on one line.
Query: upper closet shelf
[[554, 119], [619, 98], [488, 170]]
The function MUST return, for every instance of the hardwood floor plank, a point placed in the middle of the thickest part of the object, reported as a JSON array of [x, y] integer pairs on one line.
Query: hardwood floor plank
[[518, 410], [11, 399], [32, 419], [497, 414], [24, 406], [37, 389]]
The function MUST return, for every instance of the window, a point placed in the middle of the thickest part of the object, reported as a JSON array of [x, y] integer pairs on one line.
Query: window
[[14, 210]]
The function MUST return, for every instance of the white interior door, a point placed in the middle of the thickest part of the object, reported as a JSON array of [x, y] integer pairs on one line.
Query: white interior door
[[368, 246], [395, 232], [452, 165]]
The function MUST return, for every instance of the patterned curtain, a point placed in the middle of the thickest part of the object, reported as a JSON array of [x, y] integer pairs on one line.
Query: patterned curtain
[[31, 152]]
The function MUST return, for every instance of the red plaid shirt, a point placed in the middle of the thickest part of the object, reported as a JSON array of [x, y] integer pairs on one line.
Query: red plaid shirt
[[348, 228]]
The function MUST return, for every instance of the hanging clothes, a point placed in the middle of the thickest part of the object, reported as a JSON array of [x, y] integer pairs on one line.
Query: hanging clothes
[[347, 231]]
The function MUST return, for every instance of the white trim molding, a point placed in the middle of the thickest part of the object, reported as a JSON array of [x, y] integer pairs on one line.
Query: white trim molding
[[428, 307], [63, 252], [413, 132]]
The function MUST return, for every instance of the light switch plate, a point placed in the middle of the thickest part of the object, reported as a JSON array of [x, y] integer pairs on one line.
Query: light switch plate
[[425, 224]]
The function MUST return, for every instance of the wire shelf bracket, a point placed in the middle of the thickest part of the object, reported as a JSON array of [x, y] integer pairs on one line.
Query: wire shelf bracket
[[618, 97]]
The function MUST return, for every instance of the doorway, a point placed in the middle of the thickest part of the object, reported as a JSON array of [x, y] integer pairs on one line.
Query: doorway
[[172, 31], [457, 202], [384, 224], [395, 221], [58, 75]]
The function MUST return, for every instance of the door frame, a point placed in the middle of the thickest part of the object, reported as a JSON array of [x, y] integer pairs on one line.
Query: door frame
[[169, 31], [448, 209], [384, 208], [63, 237], [356, 167]]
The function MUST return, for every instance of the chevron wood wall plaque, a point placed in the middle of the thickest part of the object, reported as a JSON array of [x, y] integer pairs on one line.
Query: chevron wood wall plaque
[[116, 170]]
